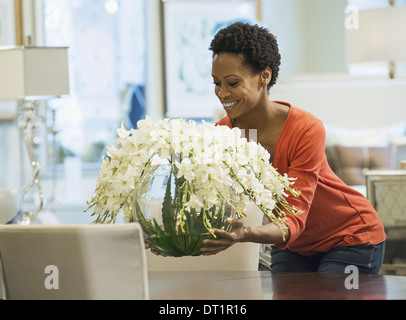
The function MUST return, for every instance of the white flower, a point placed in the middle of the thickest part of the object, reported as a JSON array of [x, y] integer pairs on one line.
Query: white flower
[[185, 169], [216, 163], [123, 132]]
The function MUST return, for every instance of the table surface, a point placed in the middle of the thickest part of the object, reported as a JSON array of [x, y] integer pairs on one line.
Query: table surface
[[262, 285]]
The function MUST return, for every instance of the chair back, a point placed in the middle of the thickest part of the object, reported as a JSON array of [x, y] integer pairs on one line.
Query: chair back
[[10, 206], [81, 262]]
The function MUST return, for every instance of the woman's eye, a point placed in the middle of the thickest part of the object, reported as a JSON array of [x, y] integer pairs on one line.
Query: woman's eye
[[231, 84]]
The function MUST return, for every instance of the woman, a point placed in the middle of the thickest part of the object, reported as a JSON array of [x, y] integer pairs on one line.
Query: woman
[[339, 227]]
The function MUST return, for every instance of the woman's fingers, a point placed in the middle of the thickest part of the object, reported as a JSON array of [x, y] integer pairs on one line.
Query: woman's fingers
[[225, 239]]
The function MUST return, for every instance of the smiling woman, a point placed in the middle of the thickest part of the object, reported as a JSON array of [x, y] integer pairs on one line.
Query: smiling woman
[[338, 226], [245, 67]]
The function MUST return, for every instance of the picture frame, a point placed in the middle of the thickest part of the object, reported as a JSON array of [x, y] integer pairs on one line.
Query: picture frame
[[189, 27], [7, 23]]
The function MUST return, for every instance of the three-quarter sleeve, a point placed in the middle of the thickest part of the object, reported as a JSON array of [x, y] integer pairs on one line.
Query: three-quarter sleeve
[[304, 158]]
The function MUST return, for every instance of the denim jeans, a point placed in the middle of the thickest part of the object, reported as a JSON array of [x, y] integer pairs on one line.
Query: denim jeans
[[368, 259]]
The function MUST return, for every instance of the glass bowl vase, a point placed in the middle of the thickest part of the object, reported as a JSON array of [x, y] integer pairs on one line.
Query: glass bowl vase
[[169, 227]]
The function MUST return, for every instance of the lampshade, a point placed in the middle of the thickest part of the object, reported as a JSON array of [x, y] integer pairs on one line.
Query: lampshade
[[33, 71], [381, 36]]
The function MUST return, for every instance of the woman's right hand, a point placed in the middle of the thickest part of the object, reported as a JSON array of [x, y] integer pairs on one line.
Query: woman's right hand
[[155, 252]]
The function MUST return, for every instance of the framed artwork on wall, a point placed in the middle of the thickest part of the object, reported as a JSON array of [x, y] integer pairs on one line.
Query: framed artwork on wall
[[189, 27], [7, 23]]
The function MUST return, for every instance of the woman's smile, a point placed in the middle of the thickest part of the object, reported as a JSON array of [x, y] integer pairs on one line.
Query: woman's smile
[[230, 104]]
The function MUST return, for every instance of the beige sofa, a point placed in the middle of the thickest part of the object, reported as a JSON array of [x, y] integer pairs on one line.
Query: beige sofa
[[351, 152], [364, 117]]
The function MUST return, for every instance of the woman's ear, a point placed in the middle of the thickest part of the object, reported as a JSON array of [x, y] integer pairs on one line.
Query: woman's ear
[[266, 76]]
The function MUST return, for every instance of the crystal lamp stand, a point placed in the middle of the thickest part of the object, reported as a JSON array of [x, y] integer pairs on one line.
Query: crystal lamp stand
[[27, 118]]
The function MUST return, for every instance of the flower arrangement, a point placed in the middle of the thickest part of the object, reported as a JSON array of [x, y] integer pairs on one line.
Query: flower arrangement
[[212, 172]]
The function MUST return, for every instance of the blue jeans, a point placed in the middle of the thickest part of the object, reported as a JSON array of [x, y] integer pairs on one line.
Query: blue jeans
[[368, 259]]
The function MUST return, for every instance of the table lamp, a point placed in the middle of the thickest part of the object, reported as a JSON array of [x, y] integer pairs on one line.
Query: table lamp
[[380, 37], [29, 75]]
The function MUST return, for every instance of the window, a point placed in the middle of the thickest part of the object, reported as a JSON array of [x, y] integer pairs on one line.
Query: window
[[106, 40]]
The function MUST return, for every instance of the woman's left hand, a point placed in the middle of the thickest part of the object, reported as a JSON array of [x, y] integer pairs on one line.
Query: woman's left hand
[[227, 239]]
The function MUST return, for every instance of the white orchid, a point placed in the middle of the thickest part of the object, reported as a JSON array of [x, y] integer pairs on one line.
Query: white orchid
[[215, 163]]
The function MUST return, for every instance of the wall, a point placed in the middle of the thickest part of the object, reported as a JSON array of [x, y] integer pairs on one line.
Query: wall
[[346, 101], [311, 36], [285, 20], [310, 33]]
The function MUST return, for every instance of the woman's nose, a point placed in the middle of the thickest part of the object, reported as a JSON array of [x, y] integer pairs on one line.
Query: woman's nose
[[223, 93]]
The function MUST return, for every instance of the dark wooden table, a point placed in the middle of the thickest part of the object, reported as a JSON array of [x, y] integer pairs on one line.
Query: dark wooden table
[[253, 285]]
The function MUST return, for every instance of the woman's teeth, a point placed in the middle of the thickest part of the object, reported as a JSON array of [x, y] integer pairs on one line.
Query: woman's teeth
[[228, 105]]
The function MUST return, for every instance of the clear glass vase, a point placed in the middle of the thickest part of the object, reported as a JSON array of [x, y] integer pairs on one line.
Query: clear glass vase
[[167, 226]]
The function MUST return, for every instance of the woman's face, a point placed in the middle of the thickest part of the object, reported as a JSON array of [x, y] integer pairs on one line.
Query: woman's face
[[238, 88]]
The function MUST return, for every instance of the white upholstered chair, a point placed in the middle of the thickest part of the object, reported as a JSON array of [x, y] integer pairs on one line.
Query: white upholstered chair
[[10, 206], [84, 262], [10, 213], [240, 257]]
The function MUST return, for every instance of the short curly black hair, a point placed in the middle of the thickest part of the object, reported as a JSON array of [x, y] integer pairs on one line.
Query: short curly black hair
[[258, 46]]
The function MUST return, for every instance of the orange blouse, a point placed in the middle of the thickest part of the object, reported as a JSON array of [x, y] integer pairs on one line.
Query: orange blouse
[[334, 214]]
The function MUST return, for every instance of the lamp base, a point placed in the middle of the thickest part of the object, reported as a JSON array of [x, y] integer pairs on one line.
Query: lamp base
[[392, 69], [26, 121]]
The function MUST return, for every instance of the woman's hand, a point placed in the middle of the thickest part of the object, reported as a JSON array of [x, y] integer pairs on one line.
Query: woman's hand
[[155, 252], [227, 238], [148, 246]]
